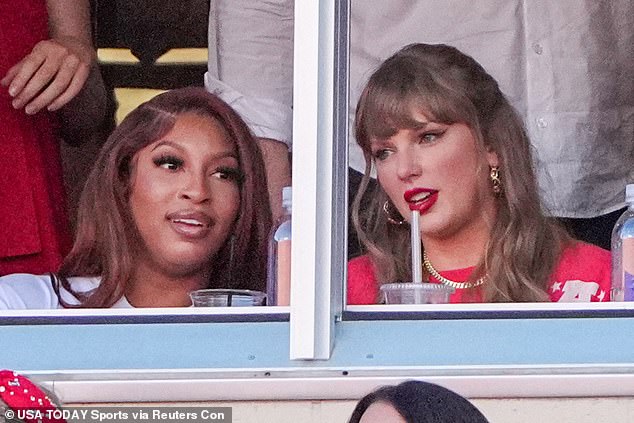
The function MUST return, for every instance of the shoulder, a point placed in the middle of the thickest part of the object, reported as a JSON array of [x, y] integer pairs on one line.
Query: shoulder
[[362, 284], [23, 291], [361, 264], [583, 273], [583, 258]]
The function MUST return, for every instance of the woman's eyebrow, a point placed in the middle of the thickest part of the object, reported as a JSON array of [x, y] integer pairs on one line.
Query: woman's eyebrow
[[379, 142], [167, 143], [420, 124], [219, 155], [224, 154]]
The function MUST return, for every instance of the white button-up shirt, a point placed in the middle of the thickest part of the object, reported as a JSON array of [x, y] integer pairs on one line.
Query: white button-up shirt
[[566, 65]]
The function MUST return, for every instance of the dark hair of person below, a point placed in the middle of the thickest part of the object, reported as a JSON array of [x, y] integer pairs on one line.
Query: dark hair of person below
[[422, 402]]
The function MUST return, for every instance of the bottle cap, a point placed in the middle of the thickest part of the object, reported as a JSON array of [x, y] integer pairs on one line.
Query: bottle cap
[[287, 196], [629, 193]]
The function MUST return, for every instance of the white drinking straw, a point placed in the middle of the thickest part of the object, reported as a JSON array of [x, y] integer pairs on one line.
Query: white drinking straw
[[417, 263]]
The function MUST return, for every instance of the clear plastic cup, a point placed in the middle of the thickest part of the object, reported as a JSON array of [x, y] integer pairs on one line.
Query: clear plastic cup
[[415, 293], [227, 298]]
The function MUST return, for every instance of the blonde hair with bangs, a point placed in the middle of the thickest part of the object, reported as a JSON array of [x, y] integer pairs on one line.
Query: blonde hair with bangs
[[451, 87]]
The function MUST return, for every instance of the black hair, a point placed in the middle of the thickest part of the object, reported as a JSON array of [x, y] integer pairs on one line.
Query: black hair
[[422, 402]]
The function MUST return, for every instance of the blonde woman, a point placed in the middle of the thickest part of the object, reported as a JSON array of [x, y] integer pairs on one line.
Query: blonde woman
[[445, 141]]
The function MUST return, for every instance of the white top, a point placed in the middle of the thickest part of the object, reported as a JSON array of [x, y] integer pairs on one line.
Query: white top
[[22, 291], [251, 62], [566, 65]]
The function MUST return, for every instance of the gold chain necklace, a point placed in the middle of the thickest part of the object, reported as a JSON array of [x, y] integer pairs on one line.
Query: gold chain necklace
[[458, 285]]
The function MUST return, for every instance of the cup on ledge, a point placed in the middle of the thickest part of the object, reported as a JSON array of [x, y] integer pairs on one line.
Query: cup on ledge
[[415, 293], [227, 298]]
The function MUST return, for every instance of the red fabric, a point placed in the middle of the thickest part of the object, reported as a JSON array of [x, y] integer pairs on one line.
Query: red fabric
[[582, 274], [34, 233], [20, 394]]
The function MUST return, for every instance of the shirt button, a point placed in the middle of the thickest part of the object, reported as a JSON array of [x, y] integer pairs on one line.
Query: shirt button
[[537, 48], [541, 123]]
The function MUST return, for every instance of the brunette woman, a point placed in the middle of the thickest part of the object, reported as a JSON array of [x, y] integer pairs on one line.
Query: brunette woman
[[176, 201]]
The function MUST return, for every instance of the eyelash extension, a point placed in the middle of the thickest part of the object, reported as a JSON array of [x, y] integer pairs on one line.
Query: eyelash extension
[[435, 134], [378, 154], [159, 161], [232, 173]]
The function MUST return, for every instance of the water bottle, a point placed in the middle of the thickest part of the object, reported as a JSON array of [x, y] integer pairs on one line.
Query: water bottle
[[623, 252], [278, 281]]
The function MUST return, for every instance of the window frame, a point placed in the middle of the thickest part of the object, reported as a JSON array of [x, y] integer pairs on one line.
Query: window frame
[[315, 348]]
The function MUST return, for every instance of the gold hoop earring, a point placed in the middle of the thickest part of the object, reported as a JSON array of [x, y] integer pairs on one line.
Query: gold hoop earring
[[496, 182], [389, 214]]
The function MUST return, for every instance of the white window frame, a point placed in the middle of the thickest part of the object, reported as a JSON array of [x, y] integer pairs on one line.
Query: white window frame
[[324, 352]]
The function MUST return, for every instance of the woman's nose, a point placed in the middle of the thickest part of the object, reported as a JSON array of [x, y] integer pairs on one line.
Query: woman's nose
[[409, 166], [196, 189]]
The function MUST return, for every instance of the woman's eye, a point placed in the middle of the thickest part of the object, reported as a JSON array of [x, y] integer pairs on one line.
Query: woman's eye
[[229, 173], [429, 137], [381, 154], [169, 162]]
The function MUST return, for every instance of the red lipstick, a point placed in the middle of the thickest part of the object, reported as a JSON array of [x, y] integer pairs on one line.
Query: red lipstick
[[421, 199]]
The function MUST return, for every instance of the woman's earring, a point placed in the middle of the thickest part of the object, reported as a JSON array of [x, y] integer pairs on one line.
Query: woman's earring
[[389, 214], [496, 182]]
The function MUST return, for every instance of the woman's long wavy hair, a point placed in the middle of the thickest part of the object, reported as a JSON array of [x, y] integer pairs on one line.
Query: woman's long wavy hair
[[451, 87], [107, 238]]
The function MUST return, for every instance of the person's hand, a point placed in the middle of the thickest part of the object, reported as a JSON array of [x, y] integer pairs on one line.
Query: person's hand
[[50, 76]]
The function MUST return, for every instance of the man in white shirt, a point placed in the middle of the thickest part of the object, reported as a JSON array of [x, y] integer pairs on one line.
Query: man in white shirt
[[251, 68], [567, 66]]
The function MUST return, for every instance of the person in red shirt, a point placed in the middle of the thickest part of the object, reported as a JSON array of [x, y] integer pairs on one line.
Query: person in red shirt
[[445, 141], [50, 85]]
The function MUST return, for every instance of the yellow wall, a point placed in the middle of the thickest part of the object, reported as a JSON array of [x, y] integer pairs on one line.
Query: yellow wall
[[130, 98]]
